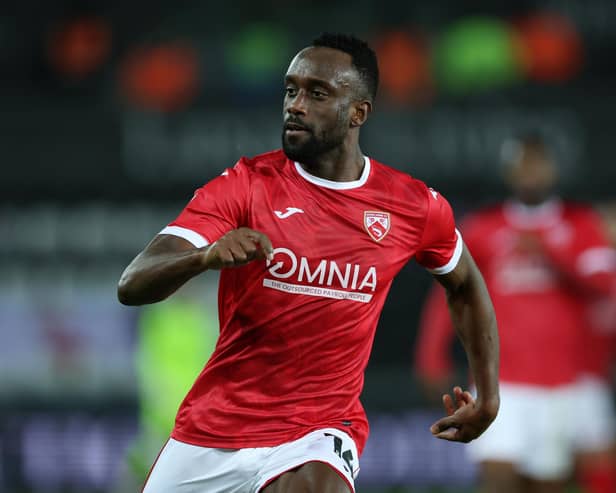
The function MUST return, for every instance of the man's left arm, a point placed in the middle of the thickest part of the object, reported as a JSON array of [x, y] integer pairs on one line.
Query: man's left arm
[[474, 320]]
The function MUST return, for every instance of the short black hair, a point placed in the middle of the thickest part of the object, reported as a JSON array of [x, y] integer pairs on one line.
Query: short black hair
[[363, 58]]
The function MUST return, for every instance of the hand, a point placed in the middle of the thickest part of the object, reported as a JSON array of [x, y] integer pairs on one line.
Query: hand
[[238, 247], [465, 420]]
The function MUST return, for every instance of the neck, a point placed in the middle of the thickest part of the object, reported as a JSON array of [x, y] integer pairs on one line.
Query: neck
[[340, 164], [533, 216], [534, 203]]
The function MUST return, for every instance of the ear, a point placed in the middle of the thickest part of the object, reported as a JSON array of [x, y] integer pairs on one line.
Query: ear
[[360, 111]]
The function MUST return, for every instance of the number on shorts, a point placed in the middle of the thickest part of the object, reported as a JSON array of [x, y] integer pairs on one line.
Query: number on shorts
[[346, 456]]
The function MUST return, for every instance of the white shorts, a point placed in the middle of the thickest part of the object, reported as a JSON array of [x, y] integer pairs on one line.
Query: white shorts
[[594, 425], [534, 430], [185, 468]]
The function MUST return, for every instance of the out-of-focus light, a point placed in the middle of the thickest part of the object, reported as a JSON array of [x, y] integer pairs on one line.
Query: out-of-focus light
[[79, 47], [550, 48], [163, 77], [256, 58], [476, 54], [404, 67]]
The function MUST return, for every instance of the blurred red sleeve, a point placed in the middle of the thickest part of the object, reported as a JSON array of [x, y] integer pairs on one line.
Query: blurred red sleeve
[[433, 358], [589, 261]]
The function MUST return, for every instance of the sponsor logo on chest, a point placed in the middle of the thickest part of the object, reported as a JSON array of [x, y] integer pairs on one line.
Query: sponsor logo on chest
[[323, 277]]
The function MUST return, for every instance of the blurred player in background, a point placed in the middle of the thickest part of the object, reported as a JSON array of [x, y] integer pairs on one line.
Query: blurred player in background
[[308, 240], [596, 437], [174, 339], [545, 261]]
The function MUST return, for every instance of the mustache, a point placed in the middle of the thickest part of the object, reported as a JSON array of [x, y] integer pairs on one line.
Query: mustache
[[293, 123]]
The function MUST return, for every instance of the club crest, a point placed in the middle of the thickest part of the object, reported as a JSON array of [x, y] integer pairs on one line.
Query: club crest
[[377, 224]]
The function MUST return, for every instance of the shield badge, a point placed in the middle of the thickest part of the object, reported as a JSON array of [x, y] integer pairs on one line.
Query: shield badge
[[377, 224]]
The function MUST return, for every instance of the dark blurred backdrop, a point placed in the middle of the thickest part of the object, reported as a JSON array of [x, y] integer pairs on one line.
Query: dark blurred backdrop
[[112, 113]]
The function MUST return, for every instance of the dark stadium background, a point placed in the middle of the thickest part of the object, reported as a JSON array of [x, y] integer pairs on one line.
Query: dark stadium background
[[113, 112]]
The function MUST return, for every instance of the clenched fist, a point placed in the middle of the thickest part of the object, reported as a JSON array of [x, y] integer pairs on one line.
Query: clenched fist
[[238, 247]]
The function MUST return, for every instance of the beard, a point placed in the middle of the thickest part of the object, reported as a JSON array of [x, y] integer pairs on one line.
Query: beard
[[306, 148]]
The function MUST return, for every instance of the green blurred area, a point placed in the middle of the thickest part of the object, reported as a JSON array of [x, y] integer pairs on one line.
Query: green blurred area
[[476, 54]]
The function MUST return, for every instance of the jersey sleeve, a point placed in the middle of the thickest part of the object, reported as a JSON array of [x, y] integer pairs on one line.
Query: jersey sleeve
[[215, 209], [594, 252], [588, 260], [441, 245]]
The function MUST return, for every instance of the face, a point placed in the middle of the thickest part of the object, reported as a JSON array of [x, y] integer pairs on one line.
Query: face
[[531, 175], [320, 103]]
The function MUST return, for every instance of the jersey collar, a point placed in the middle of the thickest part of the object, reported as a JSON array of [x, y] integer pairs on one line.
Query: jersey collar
[[533, 217], [336, 185]]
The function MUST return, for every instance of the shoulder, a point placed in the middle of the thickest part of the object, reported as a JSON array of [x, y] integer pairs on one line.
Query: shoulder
[[401, 184], [577, 209], [580, 213], [248, 170], [266, 163]]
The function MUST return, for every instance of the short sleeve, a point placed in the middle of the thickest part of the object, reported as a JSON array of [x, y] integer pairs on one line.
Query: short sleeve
[[441, 245], [215, 209], [592, 250]]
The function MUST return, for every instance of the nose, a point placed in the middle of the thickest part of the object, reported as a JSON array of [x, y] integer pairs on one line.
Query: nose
[[297, 105]]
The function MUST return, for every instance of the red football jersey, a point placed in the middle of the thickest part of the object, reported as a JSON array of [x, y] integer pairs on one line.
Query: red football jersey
[[296, 332], [600, 345], [542, 267]]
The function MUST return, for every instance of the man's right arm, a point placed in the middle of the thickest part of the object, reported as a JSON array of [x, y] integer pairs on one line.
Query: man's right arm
[[170, 261]]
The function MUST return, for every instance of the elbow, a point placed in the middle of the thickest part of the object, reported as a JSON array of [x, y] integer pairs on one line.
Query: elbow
[[128, 290], [135, 291], [125, 292]]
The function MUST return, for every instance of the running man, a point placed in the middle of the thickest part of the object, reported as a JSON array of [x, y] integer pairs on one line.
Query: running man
[[308, 240]]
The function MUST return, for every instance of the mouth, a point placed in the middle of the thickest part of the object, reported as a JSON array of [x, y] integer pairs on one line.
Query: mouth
[[291, 128]]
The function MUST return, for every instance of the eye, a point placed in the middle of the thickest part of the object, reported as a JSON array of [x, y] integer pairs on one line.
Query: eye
[[290, 91], [319, 94]]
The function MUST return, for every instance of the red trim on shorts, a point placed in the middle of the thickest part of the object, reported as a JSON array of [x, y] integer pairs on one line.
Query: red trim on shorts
[[344, 478], [155, 461]]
